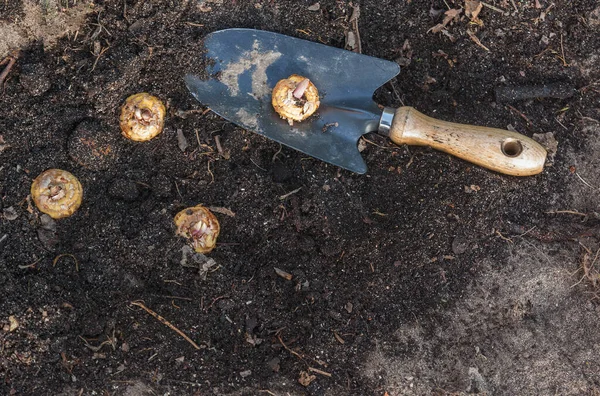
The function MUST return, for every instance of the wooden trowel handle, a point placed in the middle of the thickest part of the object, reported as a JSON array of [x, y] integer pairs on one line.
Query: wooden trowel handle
[[496, 149]]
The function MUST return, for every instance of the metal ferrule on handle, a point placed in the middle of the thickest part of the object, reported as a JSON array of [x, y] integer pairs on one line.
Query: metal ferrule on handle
[[385, 122]]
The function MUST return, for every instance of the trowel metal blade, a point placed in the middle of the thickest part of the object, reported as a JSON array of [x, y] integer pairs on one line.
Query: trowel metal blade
[[245, 66]]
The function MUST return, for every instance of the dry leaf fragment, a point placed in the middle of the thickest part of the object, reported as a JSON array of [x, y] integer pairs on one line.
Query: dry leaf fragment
[[362, 145], [181, 140], [338, 338], [449, 16], [447, 34], [406, 54], [476, 40], [472, 9], [283, 274], [306, 378], [349, 307], [435, 12], [430, 80], [472, 188], [222, 210], [14, 323], [437, 28], [3, 146]]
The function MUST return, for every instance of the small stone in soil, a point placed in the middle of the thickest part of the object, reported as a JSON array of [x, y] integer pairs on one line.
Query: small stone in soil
[[274, 364], [47, 222], [459, 245], [48, 238], [181, 140], [10, 213]]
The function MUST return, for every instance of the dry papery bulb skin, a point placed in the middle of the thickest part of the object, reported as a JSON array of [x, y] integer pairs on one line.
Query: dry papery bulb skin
[[142, 117], [57, 193], [200, 226], [295, 98]]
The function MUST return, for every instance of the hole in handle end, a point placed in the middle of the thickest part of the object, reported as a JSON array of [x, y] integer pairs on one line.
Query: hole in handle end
[[511, 147]]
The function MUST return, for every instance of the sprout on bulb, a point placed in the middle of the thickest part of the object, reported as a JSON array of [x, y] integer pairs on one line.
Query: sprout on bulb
[[295, 98]]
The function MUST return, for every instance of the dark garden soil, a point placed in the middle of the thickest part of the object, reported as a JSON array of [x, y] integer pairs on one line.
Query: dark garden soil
[[405, 243]]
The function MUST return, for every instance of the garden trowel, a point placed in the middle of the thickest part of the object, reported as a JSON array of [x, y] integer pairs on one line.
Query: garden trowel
[[245, 65]]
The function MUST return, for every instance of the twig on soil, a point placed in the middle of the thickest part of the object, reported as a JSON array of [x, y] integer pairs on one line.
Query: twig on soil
[[11, 59], [503, 237], [520, 114], [212, 175], [290, 350], [491, 7], [57, 258], [378, 145], [356, 47], [96, 348], [125, 11], [165, 322], [589, 272], [306, 32], [215, 300], [30, 265], [223, 153], [299, 356], [174, 297], [410, 161], [476, 40], [316, 370], [573, 212], [178, 192], [396, 93], [198, 138], [562, 50], [277, 153], [514, 5], [225, 211], [194, 24], [284, 196], [102, 51], [539, 250], [182, 382], [585, 182], [255, 164]]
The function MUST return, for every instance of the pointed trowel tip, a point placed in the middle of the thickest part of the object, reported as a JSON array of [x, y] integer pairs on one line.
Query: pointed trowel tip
[[361, 169]]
